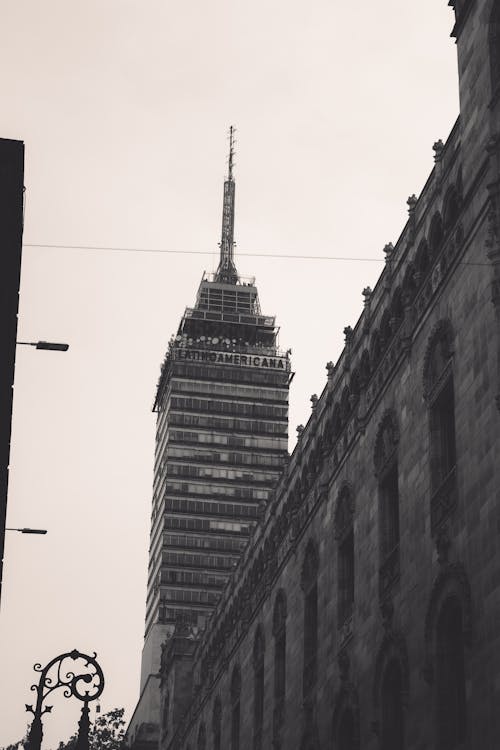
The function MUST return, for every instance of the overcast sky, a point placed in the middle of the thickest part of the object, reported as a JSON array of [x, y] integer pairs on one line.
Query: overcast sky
[[124, 107]]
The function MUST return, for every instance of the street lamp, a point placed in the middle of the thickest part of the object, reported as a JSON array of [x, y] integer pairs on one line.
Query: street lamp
[[47, 345], [60, 673], [26, 530], [5, 431]]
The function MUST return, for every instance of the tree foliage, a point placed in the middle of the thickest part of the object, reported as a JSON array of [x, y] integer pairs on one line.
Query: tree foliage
[[106, 733]]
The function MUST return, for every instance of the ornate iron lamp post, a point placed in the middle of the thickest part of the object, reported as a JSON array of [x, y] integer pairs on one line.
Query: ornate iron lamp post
[[84, 681]]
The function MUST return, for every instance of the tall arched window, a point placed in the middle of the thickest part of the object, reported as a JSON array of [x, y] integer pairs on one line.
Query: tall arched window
[[346, 732], [279, 633], [202, 738], [258, 690], [344, 533], [391, 705], [386, 471], [494, 45], [235, 708], [440, 396], [216, 724], [450, 676], [310, 589]]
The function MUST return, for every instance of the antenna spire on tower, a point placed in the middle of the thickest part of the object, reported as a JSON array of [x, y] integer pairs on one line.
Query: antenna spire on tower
[[226, 272]]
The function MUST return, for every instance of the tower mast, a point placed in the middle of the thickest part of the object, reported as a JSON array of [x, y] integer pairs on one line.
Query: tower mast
[[226, 272]]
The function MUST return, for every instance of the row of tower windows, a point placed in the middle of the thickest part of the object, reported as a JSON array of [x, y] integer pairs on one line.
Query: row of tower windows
[[196, 542], [229, 424], [193, 578], [207, 508], [234, 441], [235, 392], [238, 375], [218, 456], [185, 403], [190, 559], [246, 493], [206, 525], [188, 470]]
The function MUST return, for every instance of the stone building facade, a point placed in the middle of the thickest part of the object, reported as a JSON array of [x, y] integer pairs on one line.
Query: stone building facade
[[365, 611]]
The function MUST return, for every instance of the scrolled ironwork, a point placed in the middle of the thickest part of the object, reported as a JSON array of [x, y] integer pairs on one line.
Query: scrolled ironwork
[[84, 681]]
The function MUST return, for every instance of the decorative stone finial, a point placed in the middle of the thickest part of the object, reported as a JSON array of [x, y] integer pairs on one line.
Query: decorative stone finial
[[299, 429], [411, 203], [330, 368], [348, 334], [314, 401], [438, 149], [388, 250], [367, 294]]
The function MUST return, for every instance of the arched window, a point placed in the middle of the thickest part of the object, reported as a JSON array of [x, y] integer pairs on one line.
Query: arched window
[[385, 329], [202, 738], [386, 471], [448, 630], [494, 45], [422, 261], [165, 713], [450, 676], [440, 396], [344, 534], [364, 369], [436, 234], [279, 633], [216, 724], [346, 732], [391, 690], [345, 405], [258, 692], [375, 351], [310, 589], [235, 708], [451, 209], [391, 705]]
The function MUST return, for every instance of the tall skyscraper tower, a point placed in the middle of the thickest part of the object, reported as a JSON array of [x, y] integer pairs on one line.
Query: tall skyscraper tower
[[221, 443]]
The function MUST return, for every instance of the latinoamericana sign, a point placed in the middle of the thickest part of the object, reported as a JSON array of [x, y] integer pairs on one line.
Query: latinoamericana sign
[[233, 358]]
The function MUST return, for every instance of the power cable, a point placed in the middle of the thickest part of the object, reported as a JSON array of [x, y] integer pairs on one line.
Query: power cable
[[285, 256]]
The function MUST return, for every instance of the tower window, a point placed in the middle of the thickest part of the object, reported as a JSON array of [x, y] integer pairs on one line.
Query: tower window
[[235, 709], [440, 395], [344, 534], [279, 632], [202, 738], [346, 734], [389, 504], [310, 588], [258, 705], [450, 677], [386, 469], [216, 724], [494, 46], [392, 729]]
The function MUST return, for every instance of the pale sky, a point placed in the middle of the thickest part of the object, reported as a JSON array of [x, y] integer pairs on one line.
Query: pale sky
[[124, 107]]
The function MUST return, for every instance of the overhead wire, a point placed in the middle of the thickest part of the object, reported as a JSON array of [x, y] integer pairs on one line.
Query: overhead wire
[[286, 256], [272, 255]]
